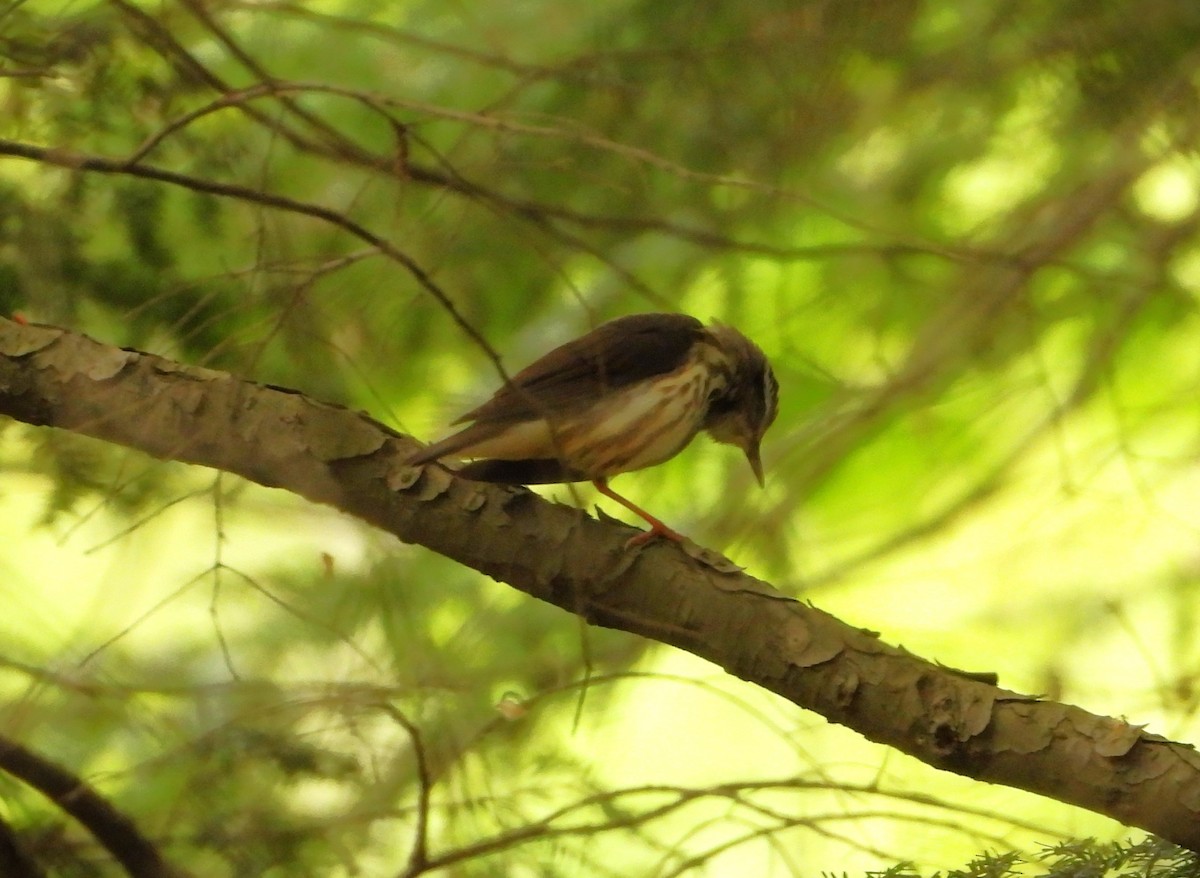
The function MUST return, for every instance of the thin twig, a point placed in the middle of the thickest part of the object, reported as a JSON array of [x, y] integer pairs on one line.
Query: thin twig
[[418, 859], [78, 161]]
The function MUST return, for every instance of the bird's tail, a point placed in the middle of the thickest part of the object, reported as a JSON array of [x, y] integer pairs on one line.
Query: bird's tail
[[528, 471], [451, 444]]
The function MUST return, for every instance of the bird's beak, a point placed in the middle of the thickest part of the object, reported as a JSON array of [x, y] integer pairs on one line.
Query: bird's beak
[[755, 463]]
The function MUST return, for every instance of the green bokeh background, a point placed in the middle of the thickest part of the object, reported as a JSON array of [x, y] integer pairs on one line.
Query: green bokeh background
[[965, 234]]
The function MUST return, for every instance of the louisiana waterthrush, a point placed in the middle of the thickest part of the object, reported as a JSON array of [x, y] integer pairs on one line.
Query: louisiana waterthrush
[[629, 394]]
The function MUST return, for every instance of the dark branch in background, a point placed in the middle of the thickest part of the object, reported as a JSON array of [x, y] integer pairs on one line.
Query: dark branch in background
[[15, 862], [115, 832], [539, 213], [335, 145], [191, 70], [557, 554], [335, 138], [71, 160], [338, 146]]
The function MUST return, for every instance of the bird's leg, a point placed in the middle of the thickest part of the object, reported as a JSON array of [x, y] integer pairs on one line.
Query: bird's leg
[[657, 528]]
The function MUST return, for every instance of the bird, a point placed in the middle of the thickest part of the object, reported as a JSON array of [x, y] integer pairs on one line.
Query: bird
[[629, 394]]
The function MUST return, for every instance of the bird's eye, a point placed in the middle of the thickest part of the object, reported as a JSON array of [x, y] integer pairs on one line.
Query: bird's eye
[[720, 401]]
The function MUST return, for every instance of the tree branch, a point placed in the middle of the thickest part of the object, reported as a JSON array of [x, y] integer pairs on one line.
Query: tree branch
[[557, 554], [116, 833], [15, 861]]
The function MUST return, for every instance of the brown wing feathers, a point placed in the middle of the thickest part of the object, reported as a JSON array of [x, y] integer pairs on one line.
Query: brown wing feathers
[[614, 354]]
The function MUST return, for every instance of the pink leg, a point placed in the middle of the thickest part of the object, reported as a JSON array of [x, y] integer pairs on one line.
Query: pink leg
[[657, 528]]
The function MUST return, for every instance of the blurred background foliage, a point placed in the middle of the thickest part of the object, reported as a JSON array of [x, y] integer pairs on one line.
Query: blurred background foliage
[[965, 233]]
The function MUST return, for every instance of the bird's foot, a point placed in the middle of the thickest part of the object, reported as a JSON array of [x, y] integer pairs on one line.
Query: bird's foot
[[658, 530]]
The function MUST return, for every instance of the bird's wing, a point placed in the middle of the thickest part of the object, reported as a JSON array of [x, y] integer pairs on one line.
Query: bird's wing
[[614, 354]]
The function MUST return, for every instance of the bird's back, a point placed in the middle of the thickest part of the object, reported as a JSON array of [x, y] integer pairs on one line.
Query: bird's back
[[614, 355]]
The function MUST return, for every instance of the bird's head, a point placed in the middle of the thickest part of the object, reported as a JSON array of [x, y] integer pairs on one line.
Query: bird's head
[[744, 405]]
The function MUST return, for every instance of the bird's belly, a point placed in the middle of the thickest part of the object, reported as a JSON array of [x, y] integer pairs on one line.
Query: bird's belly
[[643, 425]]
